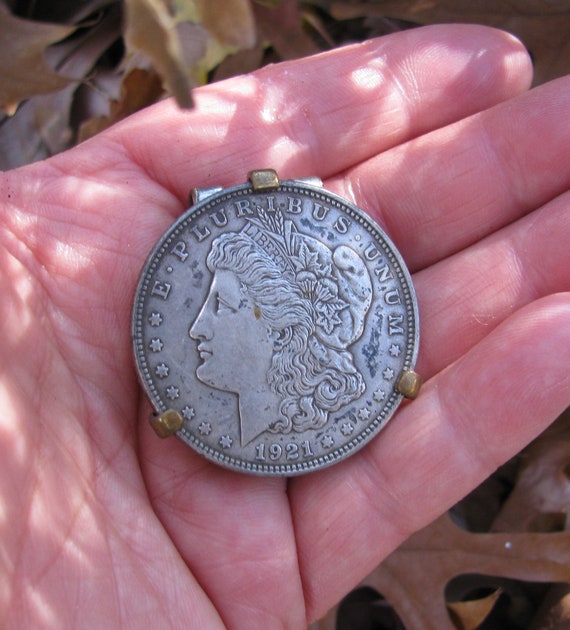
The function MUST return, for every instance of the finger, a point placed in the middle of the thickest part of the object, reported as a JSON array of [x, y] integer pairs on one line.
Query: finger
[[322, 114], [463, 298], [468, 420], [446, 190]]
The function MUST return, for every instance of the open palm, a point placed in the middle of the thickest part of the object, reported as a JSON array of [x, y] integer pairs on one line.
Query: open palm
[[104, 525]]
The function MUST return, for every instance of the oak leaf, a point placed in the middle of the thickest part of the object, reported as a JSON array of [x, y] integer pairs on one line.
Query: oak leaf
[[470, 614], [540, 500], [25, 72], [231, 22], [151, 27], [282, 25], [449, 551], [185, 39], [42, 125], [139, 88]]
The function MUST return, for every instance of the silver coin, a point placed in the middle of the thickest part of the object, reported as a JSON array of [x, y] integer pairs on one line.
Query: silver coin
[[278, 324]]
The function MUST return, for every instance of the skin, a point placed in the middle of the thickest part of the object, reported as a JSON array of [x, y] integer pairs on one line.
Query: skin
[[432, 131]]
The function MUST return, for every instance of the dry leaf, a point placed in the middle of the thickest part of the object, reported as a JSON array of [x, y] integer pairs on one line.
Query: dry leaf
[[24, 72], [414, 578], [417, 593], [226, 27], [283, 27], [60, 11], [470, 614], [139, 88], [185, 39], [242, 62], [41, 126], [151, 28], [268, 3], [231, 22], [554, 613], [540, 501], [37, 130]]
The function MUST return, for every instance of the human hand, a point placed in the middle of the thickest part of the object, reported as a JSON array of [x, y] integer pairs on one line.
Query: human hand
[[104, 525]]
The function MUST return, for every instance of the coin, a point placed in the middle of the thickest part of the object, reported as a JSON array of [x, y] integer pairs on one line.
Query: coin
[[277, 323]]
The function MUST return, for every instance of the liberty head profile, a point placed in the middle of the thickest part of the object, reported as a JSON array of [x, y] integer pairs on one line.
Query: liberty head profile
[[281, 313]]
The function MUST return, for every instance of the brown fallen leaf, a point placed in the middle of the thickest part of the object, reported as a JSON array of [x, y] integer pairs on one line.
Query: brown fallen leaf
[[282, 25], [37, 130], [186, 39], [554, 613], [231, 22], [24, 72], [151, 27], [242, 62], [450, 551], [268, 3], [414, 578], [42, 125], [60, 11], [540, 500], [470, 614], [139, 88]]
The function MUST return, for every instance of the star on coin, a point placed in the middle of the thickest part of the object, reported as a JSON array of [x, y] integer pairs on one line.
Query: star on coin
[[364, 414], [155, 319], [172, 392], [395, 350], [327, 441], [225, 441], [379, 395], [162, 370], [188, 412], [156, 345], [205, 428], [388, 373], [347, 428]]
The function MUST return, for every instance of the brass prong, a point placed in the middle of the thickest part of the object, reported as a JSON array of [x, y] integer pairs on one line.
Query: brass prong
[[410, 384], [199, 194], [166, 423], [264, 179]]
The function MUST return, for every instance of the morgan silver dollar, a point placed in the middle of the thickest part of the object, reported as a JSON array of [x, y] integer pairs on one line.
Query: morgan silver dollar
[[275, 327]]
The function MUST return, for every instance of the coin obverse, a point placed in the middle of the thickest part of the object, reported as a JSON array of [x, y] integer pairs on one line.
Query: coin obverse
[[278, 324]]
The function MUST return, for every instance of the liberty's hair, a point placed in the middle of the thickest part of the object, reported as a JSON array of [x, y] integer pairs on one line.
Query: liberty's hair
[[312, 378]]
